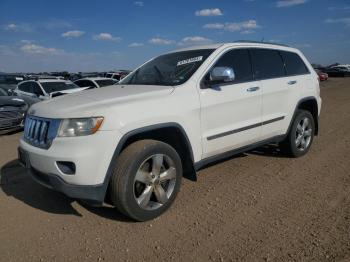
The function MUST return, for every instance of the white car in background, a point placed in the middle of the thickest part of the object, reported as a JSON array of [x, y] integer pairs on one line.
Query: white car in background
[[44, 89], [95, 82]]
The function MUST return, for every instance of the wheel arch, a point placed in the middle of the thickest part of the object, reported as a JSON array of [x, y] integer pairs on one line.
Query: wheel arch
[[309, 104], [171, 133]]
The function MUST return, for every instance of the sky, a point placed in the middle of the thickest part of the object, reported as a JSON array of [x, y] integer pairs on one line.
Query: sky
[[38, 36]]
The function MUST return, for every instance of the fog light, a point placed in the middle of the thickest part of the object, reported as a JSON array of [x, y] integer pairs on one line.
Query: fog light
[[65, 167]]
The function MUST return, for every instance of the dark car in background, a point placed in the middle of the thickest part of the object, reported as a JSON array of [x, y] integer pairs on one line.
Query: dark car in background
[[12, 113], [337, 71], [8, 82]]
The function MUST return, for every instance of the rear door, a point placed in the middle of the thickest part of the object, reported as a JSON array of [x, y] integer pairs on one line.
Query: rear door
[[279, 92], [231, 112]]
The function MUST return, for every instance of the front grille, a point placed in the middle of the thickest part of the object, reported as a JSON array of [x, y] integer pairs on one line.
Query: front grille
[[40, 132], [10, 119], [10, 115]]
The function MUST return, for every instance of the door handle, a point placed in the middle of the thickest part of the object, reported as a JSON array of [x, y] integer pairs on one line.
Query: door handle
[[253, 89], [292, 82]]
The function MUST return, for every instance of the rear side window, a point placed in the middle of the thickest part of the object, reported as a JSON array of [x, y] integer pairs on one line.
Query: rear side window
[[267, 63], [294, 64], [239, 61]]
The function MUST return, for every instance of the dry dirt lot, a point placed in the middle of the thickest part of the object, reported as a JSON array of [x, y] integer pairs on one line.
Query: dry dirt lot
[[258, 206]]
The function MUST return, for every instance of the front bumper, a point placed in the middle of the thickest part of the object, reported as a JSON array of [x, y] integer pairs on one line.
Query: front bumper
[[91, 155], [93, 194]]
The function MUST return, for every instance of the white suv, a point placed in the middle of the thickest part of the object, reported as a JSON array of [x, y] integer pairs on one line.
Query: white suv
[[130, 144]]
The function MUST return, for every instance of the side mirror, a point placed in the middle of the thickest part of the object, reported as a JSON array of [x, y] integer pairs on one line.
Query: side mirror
[[222, 75], [219, 75]]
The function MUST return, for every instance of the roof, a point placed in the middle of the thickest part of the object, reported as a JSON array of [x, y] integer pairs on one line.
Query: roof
[[235, 43], [50, 80], [95, 78]]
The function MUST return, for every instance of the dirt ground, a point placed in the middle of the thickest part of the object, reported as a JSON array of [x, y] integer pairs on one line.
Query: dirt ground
[[258, 206]]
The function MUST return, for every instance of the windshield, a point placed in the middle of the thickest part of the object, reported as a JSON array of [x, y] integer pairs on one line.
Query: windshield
[[169, 70], [50, 87], [3, 92], [106, 82]]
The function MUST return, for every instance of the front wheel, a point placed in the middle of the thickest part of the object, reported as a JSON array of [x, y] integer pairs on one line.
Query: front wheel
[[146, 179], [300, 136]]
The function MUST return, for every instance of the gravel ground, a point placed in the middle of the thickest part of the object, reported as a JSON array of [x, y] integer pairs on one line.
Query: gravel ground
[[258, 206]]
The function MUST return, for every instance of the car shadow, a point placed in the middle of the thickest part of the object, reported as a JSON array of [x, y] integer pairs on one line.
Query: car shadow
[[270, 150], [15, 183]]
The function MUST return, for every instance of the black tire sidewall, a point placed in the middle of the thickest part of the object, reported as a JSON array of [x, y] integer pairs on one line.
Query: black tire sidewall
[[127, 196], [292, 135]]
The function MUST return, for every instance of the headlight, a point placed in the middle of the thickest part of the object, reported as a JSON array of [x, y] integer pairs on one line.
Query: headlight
[[79, 126]]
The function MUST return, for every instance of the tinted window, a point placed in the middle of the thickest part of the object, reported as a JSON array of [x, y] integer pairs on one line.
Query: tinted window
[[267, 64], [294, 64], [36, 89], [117, 77], [79, 83], [85, 83], [106, 82], [50, 87], [25, 87], [239, 61], [3, 92]]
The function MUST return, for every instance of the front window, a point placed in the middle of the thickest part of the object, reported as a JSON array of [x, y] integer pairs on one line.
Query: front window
[[51, 87], [168, 70]]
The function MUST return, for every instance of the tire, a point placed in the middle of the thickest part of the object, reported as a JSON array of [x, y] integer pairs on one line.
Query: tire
[[300, 136], [146, 179]]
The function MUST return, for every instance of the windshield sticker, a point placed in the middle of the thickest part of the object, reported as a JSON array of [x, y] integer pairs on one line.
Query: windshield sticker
[[190, 60]]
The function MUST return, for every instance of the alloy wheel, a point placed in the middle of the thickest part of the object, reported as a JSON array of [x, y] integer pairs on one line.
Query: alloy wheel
[[303, 134], [154, 182]]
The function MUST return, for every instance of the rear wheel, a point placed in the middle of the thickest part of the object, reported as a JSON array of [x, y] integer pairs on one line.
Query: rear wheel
[[300, 136], [146, 179]]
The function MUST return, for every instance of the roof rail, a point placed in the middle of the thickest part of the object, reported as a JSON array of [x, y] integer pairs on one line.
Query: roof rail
[[259, 42]]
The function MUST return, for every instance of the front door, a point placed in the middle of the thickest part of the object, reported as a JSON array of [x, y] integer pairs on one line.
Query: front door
[[231, 112]]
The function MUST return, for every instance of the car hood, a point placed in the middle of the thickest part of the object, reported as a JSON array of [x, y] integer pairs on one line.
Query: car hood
[[98, 101], [11, 101]]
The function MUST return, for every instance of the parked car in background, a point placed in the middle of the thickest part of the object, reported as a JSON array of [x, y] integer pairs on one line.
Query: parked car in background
[[8, 82], [342, 67], [95, 82], [44, 89], [130, 144], [37, 77], [321, 75], [12, 112], [337, 71], [118, 75]]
